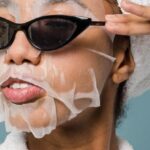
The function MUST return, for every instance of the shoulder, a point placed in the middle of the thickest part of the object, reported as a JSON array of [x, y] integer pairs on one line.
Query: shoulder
[[124, 145], [14, 141]]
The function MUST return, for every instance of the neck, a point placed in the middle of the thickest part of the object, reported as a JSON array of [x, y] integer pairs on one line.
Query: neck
[[93, 129]]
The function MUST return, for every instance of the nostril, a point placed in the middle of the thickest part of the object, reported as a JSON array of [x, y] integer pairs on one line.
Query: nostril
[[9, 59], [11, 62], [26, 61], [19, 62]]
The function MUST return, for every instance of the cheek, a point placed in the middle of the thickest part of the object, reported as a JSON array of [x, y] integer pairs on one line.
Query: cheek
[[95, 38], [67, 68], [73, 68], [75, 61]]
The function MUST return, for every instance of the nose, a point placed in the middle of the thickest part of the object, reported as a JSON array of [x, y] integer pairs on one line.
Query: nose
[[21, 51]]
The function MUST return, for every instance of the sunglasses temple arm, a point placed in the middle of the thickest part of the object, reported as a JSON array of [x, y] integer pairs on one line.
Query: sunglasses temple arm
[[98, 23]]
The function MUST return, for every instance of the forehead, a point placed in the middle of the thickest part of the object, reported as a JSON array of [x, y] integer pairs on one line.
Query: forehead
[[38, 8], [82, 3], [5, 3]]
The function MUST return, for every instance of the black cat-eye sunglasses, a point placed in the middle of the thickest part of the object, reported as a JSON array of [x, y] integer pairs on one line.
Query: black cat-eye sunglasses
[[46, 33]]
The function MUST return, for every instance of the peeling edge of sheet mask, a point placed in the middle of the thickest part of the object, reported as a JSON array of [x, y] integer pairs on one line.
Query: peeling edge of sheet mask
[[68, 98]]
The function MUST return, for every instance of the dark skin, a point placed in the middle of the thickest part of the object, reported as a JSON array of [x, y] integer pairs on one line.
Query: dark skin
[[94, 129]]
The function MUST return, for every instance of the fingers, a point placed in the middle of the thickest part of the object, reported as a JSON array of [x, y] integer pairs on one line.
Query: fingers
[[124, 18], [127, 24], [134, 23], [128, 28], [139, 10]]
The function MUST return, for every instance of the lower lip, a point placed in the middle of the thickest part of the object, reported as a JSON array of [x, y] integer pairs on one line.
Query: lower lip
[[25, 95]]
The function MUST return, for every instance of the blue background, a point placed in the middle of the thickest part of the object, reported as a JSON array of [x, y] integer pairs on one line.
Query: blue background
[[134, 128]]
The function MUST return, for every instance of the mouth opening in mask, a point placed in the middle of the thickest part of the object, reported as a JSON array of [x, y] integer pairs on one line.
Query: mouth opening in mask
[[21, 92]]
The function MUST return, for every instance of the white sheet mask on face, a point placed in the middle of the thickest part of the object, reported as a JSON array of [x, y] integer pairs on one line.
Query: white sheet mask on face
[[46, 104], [44, 76]]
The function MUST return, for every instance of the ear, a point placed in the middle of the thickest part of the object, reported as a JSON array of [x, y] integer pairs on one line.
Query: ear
[[124, 64]]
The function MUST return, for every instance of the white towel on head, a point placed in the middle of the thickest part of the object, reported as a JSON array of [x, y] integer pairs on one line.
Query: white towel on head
[[139, 81]]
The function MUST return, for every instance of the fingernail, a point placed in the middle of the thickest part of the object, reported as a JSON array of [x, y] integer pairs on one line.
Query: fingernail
[[126, 2], [110, 17], [111, 25]]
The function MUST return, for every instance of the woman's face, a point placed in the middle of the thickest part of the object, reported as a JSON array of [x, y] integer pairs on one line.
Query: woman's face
[[76, 67]]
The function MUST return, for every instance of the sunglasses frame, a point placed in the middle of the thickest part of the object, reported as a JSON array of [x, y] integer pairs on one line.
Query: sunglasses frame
[[81, 23]]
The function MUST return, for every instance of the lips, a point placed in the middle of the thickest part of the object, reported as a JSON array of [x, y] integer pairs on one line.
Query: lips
[[20, 92]]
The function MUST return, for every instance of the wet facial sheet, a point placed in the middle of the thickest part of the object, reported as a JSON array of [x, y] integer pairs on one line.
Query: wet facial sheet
[[66, 94]]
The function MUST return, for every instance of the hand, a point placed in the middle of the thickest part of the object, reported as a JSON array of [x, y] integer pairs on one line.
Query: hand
[[135, 23]]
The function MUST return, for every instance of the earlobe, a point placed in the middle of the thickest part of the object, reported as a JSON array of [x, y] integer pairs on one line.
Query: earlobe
[[121, 75], [124, 64]]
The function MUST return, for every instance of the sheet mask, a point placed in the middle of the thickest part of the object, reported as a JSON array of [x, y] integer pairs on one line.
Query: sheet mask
[[72, 98], [14, 10], [47, 104]]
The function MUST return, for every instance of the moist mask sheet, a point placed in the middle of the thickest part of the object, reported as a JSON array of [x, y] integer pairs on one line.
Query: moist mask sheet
[[66, 93], [41, 116]]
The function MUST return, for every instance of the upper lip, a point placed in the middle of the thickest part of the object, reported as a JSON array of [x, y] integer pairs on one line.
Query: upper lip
[[10, 81], [29, 96]]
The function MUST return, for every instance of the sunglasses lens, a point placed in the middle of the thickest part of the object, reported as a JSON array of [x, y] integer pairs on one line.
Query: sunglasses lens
[[5, 34], [51, 33]]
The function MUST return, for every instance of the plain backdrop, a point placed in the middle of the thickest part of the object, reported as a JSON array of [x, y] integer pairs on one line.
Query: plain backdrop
[[134, 127]]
